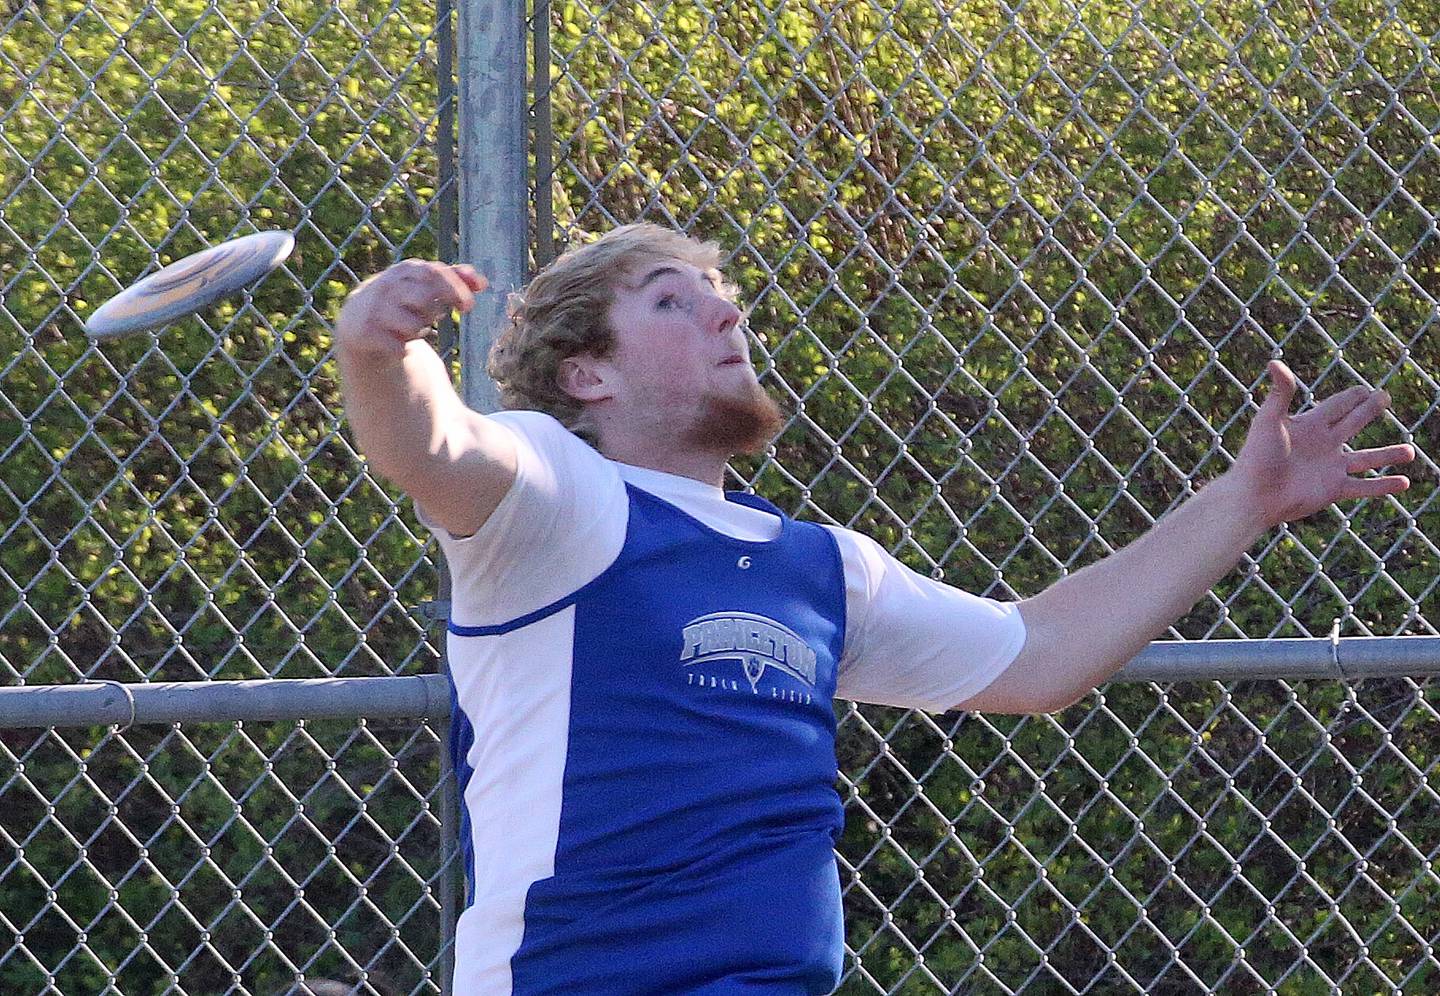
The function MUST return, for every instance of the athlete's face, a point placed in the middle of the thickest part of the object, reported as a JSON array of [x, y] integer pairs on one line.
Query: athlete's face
[[681, 362]]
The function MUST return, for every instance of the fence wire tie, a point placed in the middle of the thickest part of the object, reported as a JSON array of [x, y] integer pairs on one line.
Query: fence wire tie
[[1335, 650], [129, 698]]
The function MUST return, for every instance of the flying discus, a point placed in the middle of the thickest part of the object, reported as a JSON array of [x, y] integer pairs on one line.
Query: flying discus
[[189, 285]]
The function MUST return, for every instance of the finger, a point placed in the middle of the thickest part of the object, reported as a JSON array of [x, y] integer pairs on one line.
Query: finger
[[435, 294], [1282, 392], [1373, 487], [1337, 406], [414, 309], [459, 293], [473, 279], [401, 320], [1364, 461], [1362, 414], [416, 318], [431, 285]]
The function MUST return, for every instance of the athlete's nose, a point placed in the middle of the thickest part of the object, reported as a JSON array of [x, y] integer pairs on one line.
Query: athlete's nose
[[727, 316]]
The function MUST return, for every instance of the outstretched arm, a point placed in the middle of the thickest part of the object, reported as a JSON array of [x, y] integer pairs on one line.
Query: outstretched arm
[[408, 421], [1084, 628]]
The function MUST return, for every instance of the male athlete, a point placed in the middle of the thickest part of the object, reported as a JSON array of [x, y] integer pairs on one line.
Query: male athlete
[[644, 665]]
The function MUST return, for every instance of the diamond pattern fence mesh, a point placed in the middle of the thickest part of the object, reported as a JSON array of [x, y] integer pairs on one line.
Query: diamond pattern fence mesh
[[185, 506], [1015, 272]]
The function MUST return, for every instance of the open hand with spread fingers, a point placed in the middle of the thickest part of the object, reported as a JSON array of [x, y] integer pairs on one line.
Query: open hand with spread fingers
[[1296, 465]]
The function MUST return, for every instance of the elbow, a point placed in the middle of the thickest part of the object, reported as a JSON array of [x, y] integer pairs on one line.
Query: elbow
[[1047, 676], [386, 469], [406, 454], [402, 467], [1057, 667], [1045, 702], [1064, 681], [1073, 681], [1060, 703], [1029, 702]]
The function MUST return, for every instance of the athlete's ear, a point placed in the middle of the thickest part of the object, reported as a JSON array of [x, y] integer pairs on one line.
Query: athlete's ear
[[586, 378]]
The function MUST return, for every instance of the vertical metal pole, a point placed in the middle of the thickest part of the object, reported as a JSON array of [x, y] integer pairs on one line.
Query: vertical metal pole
[[544, 142], [448, 880], [447, 245], [492, 215], [493, 202], [447, 240]]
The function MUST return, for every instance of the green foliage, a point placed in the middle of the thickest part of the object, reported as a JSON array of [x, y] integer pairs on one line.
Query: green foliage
[[1104, 222], [186, 505], [216, 856], [1015, 271], [209, 459]]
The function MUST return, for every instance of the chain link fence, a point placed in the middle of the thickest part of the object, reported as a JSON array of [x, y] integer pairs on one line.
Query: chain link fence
[[1015, 272], [185, 506]]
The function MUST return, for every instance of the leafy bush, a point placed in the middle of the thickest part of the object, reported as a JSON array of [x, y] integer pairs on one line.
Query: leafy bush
[[1015, 274]]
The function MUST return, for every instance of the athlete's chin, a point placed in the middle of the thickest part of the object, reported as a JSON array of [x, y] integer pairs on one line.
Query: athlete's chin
[[740, 423]]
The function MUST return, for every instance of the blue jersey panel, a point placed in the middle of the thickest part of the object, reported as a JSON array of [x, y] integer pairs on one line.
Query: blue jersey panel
[[462, 736], [699, 809]]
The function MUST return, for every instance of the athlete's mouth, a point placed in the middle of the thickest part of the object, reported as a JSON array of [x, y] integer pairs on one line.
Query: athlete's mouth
[[736, 358]]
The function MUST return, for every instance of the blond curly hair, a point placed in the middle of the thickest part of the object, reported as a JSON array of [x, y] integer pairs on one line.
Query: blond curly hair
[[563, 313]]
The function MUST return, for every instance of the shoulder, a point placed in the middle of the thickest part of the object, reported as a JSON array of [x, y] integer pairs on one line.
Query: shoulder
[[539, 428], [548, 442], [865, 560], [561, 524], [530, 422]]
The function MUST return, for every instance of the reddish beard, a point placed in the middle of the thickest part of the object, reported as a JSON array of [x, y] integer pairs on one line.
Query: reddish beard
[[736, 423]]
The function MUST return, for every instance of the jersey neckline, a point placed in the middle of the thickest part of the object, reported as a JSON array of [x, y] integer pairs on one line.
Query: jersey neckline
[[752, 501]]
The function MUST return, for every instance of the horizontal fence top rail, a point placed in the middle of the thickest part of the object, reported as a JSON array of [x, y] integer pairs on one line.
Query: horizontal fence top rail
[[274, 699], [427, 696]]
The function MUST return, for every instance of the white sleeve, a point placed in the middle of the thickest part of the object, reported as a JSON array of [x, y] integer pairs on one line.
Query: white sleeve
[[914, 642], [558, 527]]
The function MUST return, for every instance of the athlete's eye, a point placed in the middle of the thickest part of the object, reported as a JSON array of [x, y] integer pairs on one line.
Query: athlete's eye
[[666, 302]]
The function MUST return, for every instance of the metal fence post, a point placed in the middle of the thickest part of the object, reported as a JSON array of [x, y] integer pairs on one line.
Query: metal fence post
[[493, 213], [490, 54], [447, 221]]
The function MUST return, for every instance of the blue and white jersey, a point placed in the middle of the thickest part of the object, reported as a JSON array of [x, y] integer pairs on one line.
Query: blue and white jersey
[[697, 807], [644, 734]]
